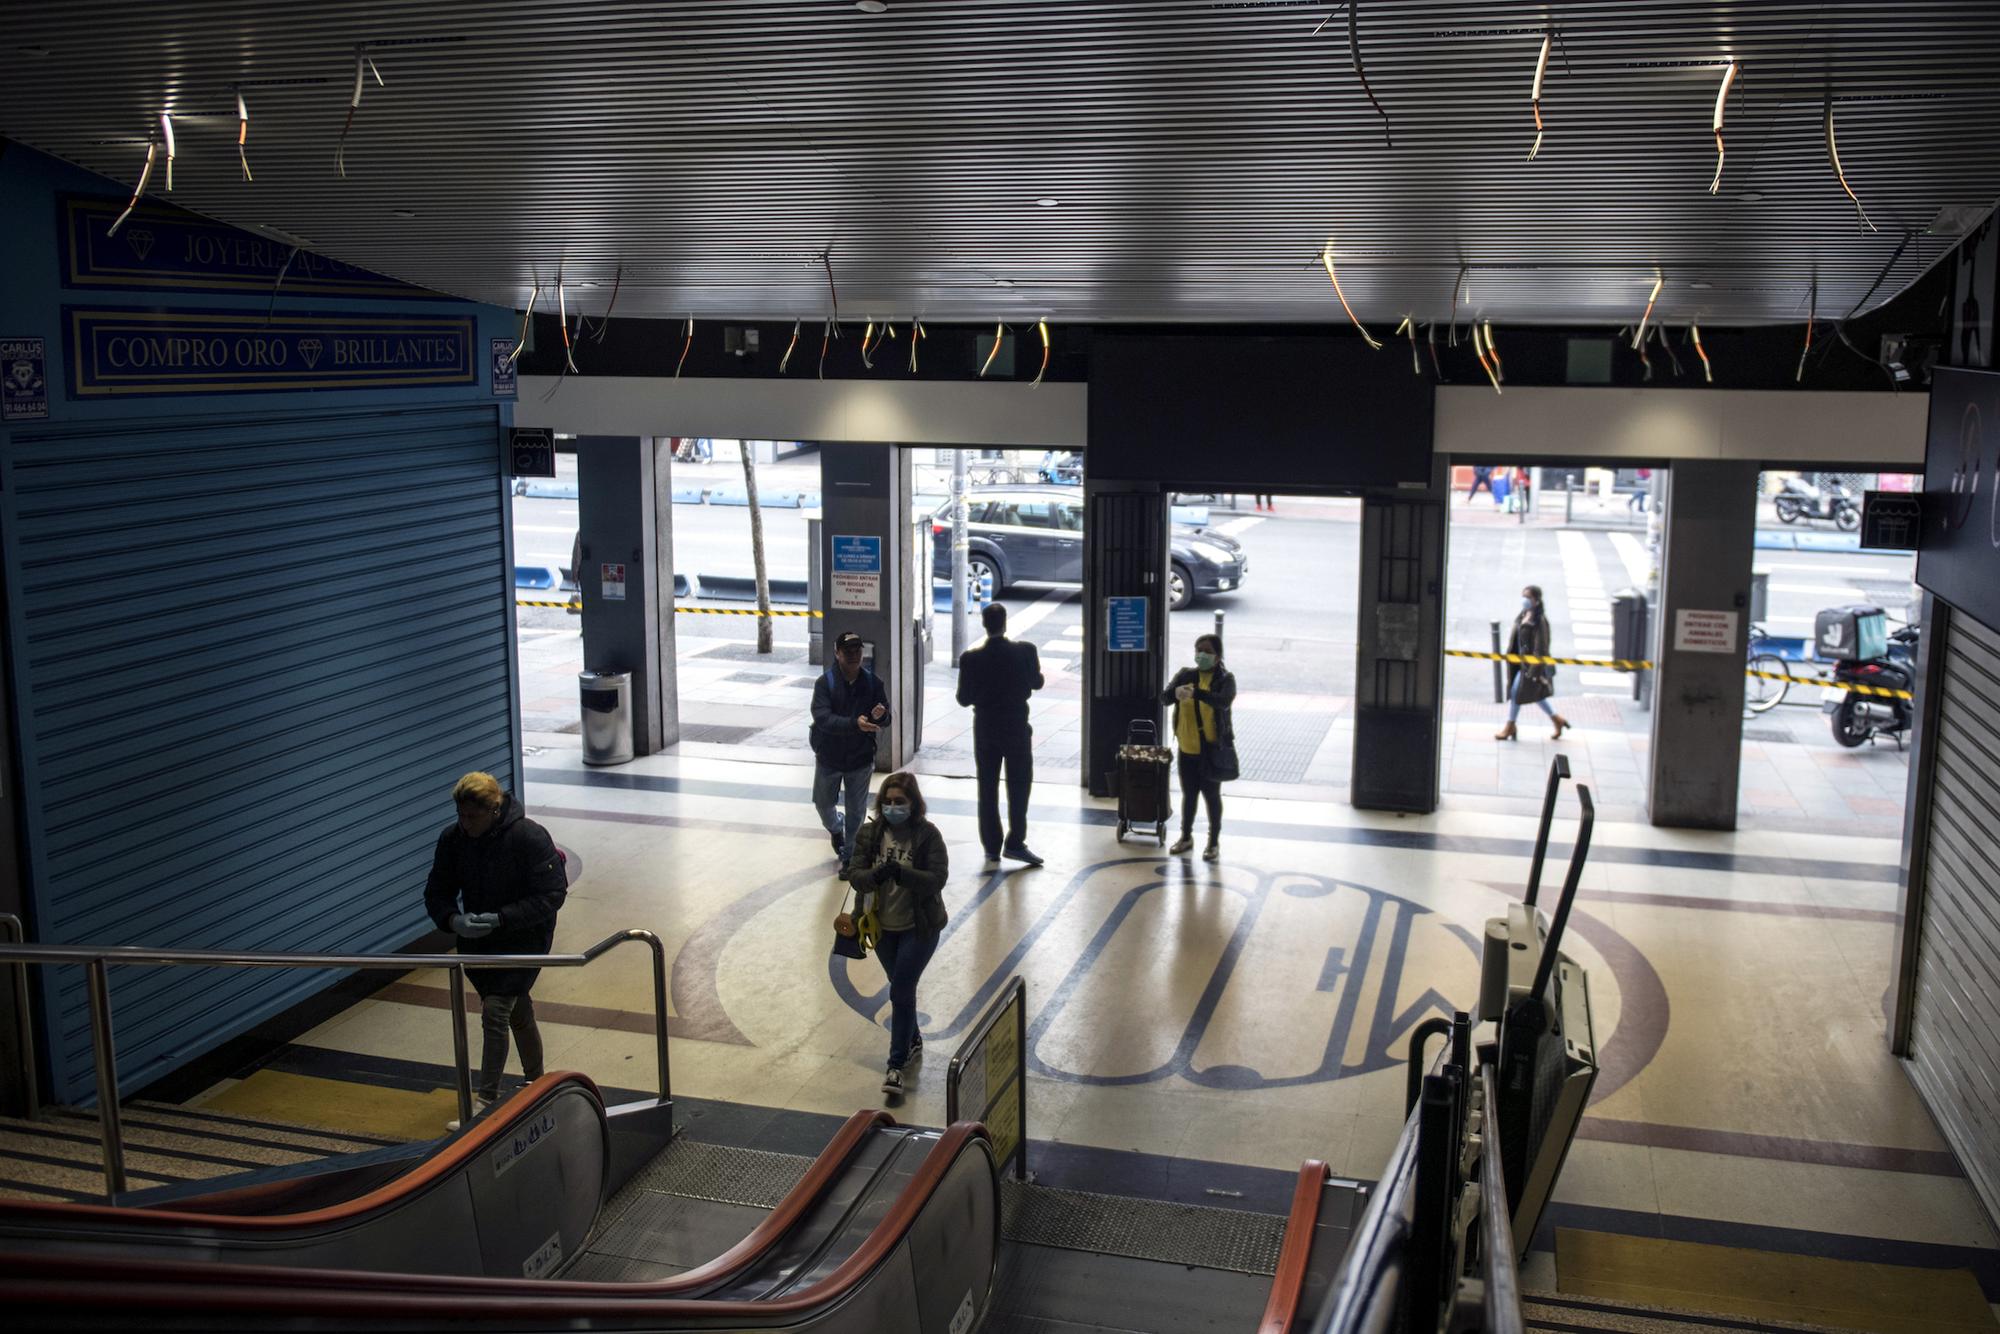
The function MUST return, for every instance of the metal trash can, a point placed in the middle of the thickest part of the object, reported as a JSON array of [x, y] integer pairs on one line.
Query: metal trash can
[[606, 698], [1631, 635]]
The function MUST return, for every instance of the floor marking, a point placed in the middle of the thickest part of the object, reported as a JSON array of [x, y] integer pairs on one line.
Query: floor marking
[[1632, 552], [1018, 626], [305, 1100]]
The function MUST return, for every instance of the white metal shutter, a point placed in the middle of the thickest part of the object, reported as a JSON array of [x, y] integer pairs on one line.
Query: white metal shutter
[[251, 654], [1955, 1022]]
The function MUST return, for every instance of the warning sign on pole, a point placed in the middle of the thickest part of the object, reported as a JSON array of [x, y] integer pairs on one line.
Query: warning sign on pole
[[1697, 631]]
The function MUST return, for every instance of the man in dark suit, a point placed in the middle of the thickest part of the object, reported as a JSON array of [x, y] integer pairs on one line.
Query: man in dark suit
[[995, 679]]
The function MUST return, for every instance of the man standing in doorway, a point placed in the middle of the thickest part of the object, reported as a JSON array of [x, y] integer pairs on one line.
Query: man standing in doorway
[[849, 708], [995, 679]]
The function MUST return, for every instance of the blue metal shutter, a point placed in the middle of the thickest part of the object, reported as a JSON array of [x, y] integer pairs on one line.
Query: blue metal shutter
[[251, 654]]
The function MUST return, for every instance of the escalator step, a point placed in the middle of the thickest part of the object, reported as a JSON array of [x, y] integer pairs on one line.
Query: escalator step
[[1184, 1234]]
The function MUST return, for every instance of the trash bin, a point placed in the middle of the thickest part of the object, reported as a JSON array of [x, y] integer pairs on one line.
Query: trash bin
[[607, 716], [1628, 624]]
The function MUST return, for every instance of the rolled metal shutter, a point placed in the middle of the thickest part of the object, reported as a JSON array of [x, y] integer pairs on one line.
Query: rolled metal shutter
[[251, 653], [1955, 1021]]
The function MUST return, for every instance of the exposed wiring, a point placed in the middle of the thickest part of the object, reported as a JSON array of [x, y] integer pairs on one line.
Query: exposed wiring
[[1042, 327], [832, 292], [1901, 246], [363, 66], [562, 322], [790, 347], [1331, 15], [916, 334], [1659, 281], [1707, 370], [1431, 341], [1354, 53], [242, 135], [145, 174], [1409, 327], [1833, 156], [1493, 351], [521, 344], [617, 281], [1660, 333], [283, 269], [826, 336], [685, 346], [1484, 365], [1840, 332], [867, 335], [1644, 361], [1326, 258], [1451, 333], [998, 330], [1535, 98], [1812, 315], [167, 134], [1721, 101]]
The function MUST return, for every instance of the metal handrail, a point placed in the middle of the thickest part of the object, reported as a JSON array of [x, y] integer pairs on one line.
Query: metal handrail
[[1496, 1227], [24, 1021], [1379, 1238], [96, 960]]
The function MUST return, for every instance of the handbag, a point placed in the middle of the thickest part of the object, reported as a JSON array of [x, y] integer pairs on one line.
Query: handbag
[[1218, 760], [853, 935]]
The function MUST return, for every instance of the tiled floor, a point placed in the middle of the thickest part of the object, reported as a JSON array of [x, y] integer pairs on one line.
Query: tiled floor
[[1257, 1011]]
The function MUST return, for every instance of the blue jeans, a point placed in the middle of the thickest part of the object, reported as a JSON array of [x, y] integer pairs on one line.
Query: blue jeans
[[827, 791], [1514, 699], [904, 955]]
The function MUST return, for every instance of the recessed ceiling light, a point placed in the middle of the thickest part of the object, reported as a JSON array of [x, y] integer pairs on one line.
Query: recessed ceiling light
[[1701, 286], [1046, 202], [1751, 197], [403, 212], [872, 6]]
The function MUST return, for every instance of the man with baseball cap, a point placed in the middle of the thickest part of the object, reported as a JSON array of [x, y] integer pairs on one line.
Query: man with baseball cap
[[849, 707]]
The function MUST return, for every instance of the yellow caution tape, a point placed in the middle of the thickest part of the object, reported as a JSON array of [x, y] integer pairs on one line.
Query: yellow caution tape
[[1634, 665], [738, 611], [571, 605]]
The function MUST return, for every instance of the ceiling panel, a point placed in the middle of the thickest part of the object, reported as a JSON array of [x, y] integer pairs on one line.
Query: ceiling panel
[[1200, 154]]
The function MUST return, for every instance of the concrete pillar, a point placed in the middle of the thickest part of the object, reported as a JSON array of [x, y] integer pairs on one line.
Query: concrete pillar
[[625, 508], [1124, 556], [1699, 644], [1399, 654], [870, 583]]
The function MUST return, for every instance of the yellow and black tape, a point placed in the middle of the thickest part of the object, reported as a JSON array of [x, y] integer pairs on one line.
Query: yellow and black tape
[[738, 611], [1634, 665], [571, 605]]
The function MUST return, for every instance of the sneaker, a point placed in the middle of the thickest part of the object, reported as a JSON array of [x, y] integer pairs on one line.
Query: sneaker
[[1182, 845], [916, 1049], [892, 1080], [841, 874], [1021, 853], [1213, 852], [839, 849], [480, 1108], [991, 863]]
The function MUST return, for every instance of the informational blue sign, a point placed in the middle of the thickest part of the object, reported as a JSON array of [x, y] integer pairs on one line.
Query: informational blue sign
[[138, 353], [1125, 624], [24, 385], [505, 381], [161, 247], [856, 582]]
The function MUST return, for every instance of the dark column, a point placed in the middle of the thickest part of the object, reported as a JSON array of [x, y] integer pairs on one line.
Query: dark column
[[865, 520], [1124, 555], [1399, 668], [1699, 644], [625, 509]]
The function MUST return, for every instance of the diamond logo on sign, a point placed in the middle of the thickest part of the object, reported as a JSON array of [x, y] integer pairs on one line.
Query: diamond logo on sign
[[310, 349], [141, 242]]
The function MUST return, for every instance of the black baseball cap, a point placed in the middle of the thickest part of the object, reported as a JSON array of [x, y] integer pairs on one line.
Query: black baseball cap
[[844, 640]]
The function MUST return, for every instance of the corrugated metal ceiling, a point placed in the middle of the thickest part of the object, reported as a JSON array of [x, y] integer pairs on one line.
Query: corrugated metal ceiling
[[1200, 152]]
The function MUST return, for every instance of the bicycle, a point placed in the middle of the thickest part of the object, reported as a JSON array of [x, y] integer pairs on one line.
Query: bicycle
[[1761, 694]]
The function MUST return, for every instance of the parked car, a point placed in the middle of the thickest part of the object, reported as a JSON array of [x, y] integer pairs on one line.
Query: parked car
[[1034, 535]]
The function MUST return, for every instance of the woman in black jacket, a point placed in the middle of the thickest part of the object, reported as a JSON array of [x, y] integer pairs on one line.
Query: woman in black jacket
[[1530, 683], [899, 867], [1201, 697]]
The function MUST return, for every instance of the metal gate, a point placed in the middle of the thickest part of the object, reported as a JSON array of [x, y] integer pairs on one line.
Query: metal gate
[[250, 654], [1954, 1048]]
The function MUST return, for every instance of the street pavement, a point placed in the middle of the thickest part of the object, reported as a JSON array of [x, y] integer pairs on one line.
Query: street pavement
[[1289, 636]]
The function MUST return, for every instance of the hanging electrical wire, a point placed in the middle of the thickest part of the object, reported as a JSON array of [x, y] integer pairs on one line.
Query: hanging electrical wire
[[1535, 98], [826, 336], [1660, 334], [1659, 281], [1833, 156], [569, 363], [916, 333], [790, 347], [363, 65], [1721, 101], [1644, 360], [999, 330], [1326, 258], [1409, 326], [1707, 370], [604, 322], [1354, 53], [1484, 364], [167, 134], [1812, 314], [1493, 351], [867, 360], [521, 344], [832, 292], [1042, 327], [279, 282], [145, 174], [1451, 333], [684, 348], [1431, 342], [242, 135], [562, 322]]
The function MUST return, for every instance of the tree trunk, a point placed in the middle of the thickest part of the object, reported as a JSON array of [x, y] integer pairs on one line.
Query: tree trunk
[[757, 549]]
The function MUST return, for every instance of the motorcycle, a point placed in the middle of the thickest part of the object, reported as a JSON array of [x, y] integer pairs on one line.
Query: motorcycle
[[1800, 499], [1858, 717]]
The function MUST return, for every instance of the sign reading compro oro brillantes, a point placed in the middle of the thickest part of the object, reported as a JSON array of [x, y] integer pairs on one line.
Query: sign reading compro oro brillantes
[[126, 353]]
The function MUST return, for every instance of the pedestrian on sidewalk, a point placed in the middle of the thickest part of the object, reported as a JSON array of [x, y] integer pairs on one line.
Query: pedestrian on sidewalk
[[1201, 697], [995, 680], [1264, 502], [1530, 683], [497, 883], [899, 868], [1637, 500], [1481, 476], [849, 709]]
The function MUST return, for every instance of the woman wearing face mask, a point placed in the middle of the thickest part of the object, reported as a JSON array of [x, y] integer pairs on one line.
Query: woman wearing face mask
[[1530, 683], [900, 866], [1201, 697]]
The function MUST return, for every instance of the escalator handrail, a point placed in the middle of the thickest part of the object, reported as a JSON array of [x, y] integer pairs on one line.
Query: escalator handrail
[[1378, 1238], [80, 1283], [1294, 1256], [457, 1152]]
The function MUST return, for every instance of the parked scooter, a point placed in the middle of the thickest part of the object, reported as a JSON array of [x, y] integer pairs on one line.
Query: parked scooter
[[1858, 717], [1801, 499]]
